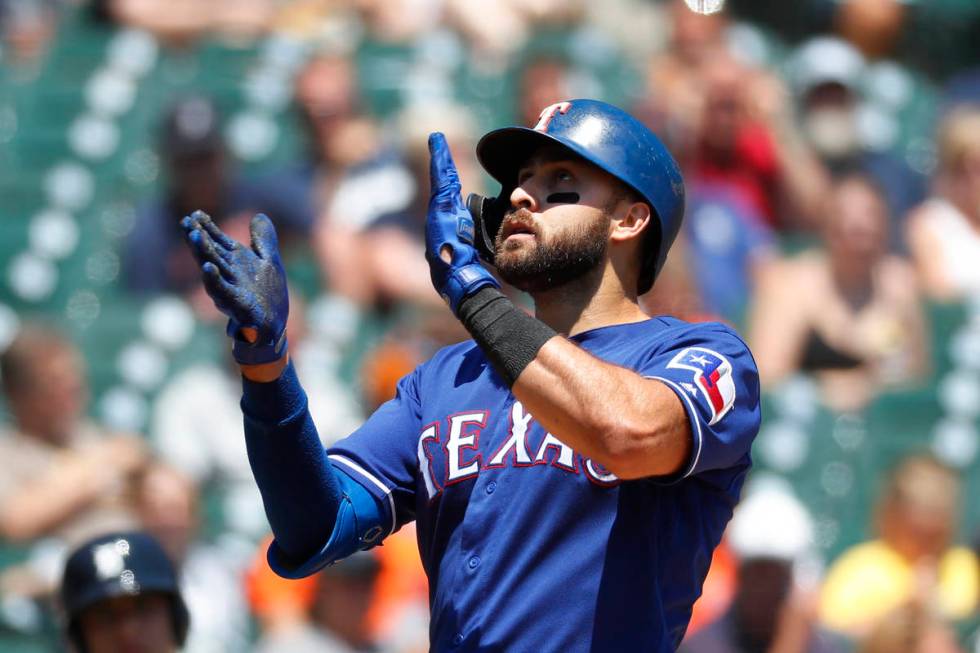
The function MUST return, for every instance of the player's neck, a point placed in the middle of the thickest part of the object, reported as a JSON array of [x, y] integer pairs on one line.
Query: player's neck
[[582, 305]]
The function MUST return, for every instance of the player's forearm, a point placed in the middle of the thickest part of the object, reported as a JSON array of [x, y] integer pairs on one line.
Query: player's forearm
[[634, 426], [290, 465]]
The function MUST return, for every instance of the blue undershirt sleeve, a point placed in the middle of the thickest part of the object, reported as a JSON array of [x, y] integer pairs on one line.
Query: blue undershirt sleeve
[[317, 514], [360, 524]]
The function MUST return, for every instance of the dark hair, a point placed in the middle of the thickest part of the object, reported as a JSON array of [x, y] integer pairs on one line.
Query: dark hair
[[33, 343], [651, 237]]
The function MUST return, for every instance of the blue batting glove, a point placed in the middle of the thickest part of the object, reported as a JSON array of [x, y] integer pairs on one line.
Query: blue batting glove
[[248, 284], [450, 225]]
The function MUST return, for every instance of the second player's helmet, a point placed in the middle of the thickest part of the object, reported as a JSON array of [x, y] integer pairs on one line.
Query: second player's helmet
[[119, 564], [605, 136]]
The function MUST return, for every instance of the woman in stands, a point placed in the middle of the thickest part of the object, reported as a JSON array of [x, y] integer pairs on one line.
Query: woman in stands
[[849, 312]]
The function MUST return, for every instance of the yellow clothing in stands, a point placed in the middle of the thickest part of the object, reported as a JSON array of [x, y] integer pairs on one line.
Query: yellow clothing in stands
[[870, 580]]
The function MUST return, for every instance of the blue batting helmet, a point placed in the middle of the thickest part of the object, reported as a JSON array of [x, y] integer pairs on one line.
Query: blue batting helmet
[[605, 136], [119, 564]]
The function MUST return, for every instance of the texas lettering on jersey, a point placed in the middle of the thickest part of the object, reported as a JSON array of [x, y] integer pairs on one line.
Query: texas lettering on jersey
[[457, 439], [504, 508]]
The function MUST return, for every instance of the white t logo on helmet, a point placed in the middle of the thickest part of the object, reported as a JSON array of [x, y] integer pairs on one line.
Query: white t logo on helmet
[[548, 113]]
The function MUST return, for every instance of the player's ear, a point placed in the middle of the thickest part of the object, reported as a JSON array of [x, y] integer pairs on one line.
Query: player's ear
[[630, 220]]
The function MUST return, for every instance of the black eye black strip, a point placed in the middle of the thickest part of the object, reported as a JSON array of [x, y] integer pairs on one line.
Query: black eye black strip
[[563, 198]]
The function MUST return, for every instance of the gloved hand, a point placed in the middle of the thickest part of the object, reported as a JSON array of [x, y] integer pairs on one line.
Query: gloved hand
[[248, 284], [450, 225]]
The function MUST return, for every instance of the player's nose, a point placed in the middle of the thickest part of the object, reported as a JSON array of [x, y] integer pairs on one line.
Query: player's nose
[[523, 198]]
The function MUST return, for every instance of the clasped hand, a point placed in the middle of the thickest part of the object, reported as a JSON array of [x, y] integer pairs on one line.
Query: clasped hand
[[248, 284]]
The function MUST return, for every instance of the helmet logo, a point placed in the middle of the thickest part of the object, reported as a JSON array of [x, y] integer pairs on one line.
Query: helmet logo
[[548, 113], [109, 559]]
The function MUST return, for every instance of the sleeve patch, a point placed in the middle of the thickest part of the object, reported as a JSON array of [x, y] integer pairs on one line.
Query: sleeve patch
[[712, 376]]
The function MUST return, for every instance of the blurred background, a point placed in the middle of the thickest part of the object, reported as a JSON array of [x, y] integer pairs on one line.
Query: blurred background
[[831, 150]]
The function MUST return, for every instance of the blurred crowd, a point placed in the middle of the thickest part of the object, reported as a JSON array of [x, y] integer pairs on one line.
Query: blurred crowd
[[831, 153]]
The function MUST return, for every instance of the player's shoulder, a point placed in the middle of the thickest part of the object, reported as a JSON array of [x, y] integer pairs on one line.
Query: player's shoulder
[[454, 357], [454, 352], [676, 330], [680, 339]]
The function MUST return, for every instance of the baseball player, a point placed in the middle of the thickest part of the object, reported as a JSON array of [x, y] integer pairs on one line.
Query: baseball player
[[120, 592], [570, 472]]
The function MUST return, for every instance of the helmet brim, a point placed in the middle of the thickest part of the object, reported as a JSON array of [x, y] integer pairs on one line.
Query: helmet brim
[[503, 151]]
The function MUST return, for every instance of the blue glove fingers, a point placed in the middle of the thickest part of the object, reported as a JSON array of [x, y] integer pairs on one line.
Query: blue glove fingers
[[212, 230], [265, 243], [227, 298], [187, 223], [442, 169], [203, 250], [213, 254], [195, 238]]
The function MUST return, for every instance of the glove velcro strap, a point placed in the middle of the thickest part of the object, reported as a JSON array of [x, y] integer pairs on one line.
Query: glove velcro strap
[[465, 281], [258, 353]]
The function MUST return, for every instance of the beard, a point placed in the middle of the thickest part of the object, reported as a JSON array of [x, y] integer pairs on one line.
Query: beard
[[539, 266]]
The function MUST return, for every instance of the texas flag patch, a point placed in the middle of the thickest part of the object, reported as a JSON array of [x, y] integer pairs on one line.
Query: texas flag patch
[[712, 376]]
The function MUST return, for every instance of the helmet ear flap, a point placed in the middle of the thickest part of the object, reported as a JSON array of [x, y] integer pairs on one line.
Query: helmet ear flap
[[488, 215]]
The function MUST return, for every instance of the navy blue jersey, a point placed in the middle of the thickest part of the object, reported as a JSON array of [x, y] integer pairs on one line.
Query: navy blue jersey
[[528, 545]]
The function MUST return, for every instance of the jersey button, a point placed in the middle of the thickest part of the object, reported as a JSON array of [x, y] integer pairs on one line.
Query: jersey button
[[457, 639], [491, 486], [473, 562]]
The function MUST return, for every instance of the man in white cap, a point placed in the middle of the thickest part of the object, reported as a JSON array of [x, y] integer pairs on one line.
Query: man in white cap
[[771, 535]]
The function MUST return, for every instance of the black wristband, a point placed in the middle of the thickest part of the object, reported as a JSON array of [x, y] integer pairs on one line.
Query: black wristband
[[508, 336]]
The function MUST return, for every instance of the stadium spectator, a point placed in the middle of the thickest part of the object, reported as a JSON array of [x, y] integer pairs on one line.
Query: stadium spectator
[[199, 176], [544, 80], [347, 177], [912, 561], [279, 605], [677, 292], [181, 23], [675, 77], [849, 313], [772, 611], [944, 232], [119, 592], [732, 123], [501, 28], [61, 475], [728, 244], [209, 578], [910, 629], [745, 138], [873, 26], [827, 74], [397, 21], [26, 29], [397, 617], [338, 614]]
